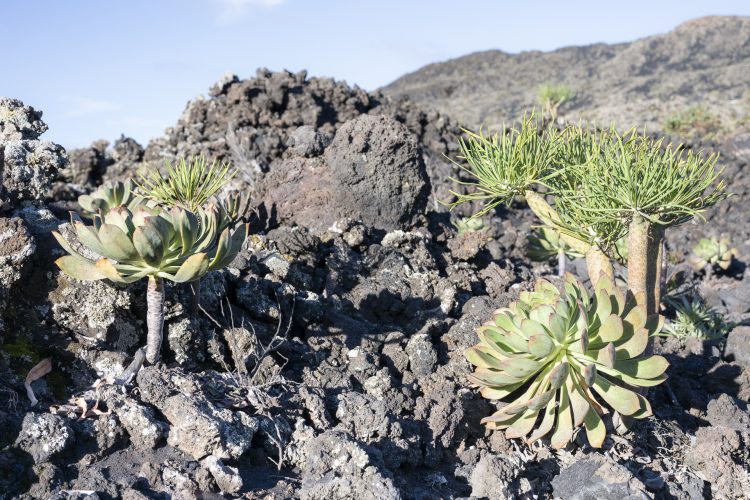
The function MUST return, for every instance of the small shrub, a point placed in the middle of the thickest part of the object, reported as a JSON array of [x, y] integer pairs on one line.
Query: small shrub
[[695, 122], [552, 96], [712, 253]]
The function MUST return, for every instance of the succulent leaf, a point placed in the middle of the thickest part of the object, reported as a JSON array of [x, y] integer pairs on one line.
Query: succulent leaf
[[79, 268]]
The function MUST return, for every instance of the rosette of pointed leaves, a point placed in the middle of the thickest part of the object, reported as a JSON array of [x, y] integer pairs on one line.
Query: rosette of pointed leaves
[[712, 252], [470, 225], [177, 245], [562, 360], [545, 244], [109, 196]]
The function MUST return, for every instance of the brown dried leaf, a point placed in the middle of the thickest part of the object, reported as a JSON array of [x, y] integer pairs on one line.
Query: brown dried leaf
[[38, 371]]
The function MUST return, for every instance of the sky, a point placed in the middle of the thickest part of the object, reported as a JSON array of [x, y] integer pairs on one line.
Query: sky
[[102, 68]]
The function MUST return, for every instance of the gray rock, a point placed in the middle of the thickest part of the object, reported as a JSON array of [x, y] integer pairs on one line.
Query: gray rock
[[597, 477], [19, 122], [227, 478], [339, 468], [711, 457], [17, 246], [495, 477], [28, 168], [197, 426], [140, 422], [307, 141], [373, 172], [729, 412], [422, 354], [98, 311], [738, 346], [44, 435], [379, 175], [186, 341]]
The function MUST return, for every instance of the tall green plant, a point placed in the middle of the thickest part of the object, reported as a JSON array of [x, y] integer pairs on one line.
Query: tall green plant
[[643, 187]]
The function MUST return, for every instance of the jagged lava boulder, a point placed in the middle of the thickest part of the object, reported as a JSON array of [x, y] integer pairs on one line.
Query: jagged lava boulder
[[27, 164], [372, 171]]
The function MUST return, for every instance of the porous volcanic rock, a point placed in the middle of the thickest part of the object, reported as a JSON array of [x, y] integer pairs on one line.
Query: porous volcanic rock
[[372, 172], [27, 165]]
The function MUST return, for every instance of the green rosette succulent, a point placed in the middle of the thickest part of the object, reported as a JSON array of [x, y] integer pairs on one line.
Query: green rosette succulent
[[562, 360], [712, 252], [177, 245], [470, 225], [545, 244], [109, 196], [151, 242]]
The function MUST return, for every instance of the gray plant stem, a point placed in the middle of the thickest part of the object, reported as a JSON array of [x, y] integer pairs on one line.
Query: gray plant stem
[[194, 296], [154, 318], [561, 263]]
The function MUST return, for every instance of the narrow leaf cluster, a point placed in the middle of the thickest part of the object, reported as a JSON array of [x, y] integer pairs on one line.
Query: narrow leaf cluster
[[189, 185], [504, 166], [562, 360]]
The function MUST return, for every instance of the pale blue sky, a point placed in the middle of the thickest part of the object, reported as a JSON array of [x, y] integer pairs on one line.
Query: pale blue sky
[[98, 68]]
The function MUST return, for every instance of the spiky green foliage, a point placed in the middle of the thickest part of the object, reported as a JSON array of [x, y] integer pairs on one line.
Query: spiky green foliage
[[178, 245], [632, 176], [714, 252], [545, 244], [187, 184], [552, 96], [560, 359], [109, 196], [505, 165], [693, 318], [470, 225]]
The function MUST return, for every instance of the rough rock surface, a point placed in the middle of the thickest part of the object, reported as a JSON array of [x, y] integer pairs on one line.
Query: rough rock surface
[[197, 426], [339, 468], [44, 435], [27, 164], [738, 346], [597, 477], [494, 477]]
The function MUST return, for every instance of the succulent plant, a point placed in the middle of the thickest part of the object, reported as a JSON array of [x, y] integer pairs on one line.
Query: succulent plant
[[546, 244], [693, 318], [151, 242], [566, 356], [109, 196], [710, 253], [470, 225]]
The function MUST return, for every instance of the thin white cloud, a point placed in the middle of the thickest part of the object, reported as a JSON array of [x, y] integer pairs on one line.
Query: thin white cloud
[[232, 10], [78, 106]]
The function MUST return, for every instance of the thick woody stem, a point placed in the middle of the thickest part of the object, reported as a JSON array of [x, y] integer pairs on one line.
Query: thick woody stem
[[154, 318], [644, 242], [598, 265]]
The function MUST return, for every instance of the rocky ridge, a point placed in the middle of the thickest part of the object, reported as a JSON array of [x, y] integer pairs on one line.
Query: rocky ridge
[[702, 63]]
